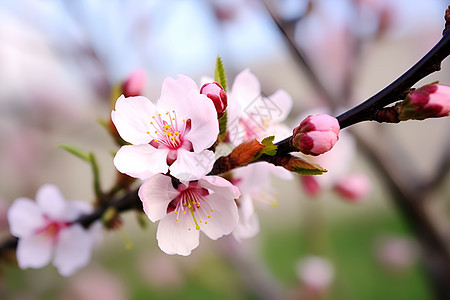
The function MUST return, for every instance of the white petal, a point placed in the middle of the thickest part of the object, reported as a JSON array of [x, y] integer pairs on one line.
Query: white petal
[[75, 209], [34, 251], [248, 225], [132, 117], [174, 237], [51, 201], [192, 166], [224, 218], [156, 194], [283, 101], [204, 124], [73, 250], [245, 89], [141, 161], [24, 217]]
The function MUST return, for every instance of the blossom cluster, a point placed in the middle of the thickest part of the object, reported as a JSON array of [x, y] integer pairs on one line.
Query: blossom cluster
[[171, 145]]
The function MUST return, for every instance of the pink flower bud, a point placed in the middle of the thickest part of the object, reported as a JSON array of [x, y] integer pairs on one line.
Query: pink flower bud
[[316, 134], [310, 185], [215, 92], [135, 83], [429, 101], [353, 187]]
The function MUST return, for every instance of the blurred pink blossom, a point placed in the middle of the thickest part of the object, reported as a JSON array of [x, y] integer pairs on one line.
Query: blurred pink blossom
[[95, 283], [354, 187], [44, 230], [316, 273], [254, 183], [135, 83], [396, 253]]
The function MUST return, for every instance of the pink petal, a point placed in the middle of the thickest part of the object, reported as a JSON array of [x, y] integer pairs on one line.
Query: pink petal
[[24, 217], [174, 237], [204, 123], [73, 250], [224, 218], [74, 209], [221, 186], [52, 203], [175, 90], [34, 251], [141, 161], [132, 117], [192, 166], [156, 194]]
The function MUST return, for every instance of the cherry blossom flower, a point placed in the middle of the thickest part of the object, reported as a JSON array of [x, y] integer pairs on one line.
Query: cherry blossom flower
[[169, 135], [251, 115], [207, 205], [254, 183], [44, 230]]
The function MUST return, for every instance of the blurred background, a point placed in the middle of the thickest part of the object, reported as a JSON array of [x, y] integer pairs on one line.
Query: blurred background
[[59, 61]]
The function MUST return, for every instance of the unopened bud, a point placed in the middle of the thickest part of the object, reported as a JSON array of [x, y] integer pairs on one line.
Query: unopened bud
[[429, 101], [135, 83], [316, 134], [215, 92], [310, 185]]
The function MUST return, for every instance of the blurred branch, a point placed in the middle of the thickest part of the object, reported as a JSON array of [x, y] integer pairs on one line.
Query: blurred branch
[[412, 206], [410, 203], [300, 56]]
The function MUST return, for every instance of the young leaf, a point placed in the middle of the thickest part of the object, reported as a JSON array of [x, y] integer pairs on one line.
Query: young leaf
[[219, 74], [301, 166], [269, 149]]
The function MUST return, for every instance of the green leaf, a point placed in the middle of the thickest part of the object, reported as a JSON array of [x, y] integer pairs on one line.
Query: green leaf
[[269, 149], [77, 152], [219, 73], [303, 167]]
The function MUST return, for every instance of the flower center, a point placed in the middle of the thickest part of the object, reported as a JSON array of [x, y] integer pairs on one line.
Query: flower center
[[52, 228], [167, 131], [192, 202]]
